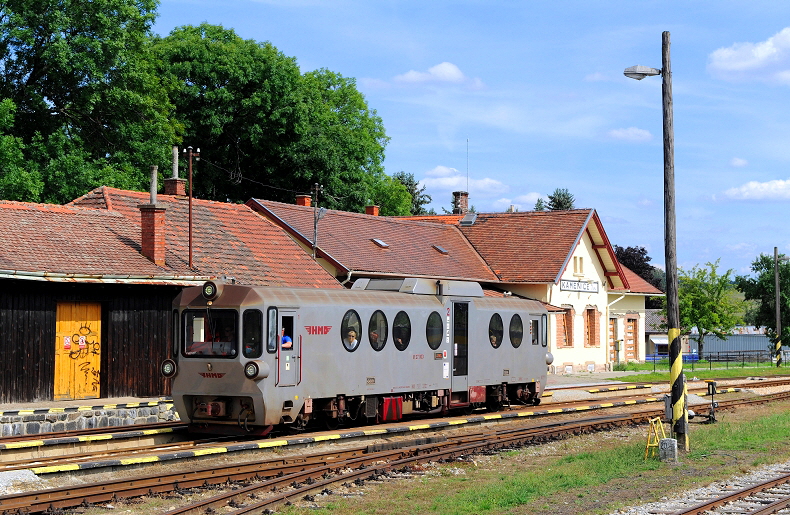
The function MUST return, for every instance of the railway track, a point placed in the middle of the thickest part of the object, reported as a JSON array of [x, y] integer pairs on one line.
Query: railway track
[[282, 479]]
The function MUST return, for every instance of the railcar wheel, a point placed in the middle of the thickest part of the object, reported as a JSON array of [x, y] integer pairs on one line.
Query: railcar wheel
[[331, 423], [536, 401]]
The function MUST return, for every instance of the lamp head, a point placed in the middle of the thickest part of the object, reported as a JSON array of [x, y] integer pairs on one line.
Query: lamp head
[[639, 72]]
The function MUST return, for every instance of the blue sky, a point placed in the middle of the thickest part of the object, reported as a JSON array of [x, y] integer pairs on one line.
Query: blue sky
[[536, 92]]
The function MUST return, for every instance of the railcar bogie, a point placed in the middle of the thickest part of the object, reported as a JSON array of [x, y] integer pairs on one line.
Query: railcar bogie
[[258, 357]]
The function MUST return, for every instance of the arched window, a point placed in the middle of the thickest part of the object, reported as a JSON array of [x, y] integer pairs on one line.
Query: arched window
[[377, 330], [401, 330], [350, 330], [516, 331], [496, 331], [434, 330]]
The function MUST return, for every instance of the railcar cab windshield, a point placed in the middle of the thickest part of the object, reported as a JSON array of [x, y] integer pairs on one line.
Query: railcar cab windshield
[[209, 333]]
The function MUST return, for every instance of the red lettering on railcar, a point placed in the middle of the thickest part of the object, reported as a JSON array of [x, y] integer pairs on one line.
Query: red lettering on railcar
[[418, 356], [212, 375], [318, 329]]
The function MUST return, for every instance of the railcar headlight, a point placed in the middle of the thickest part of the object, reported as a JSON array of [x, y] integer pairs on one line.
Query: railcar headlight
[[169, 368], [251, 370], [549, 358], [211, 290], [256, 369]]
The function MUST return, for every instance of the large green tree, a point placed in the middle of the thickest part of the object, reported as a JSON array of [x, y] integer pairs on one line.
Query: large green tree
[[90, 109], [760, 288], [706, 301], [265, 129], [419, 199], [560, 200]]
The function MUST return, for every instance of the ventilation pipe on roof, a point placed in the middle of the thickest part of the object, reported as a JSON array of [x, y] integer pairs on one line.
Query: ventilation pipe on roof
[[174, 185], [152, 225]]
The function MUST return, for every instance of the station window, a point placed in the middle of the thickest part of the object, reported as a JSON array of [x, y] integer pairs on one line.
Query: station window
[[350, 330], [496, 331], [252, 333], [271, 331], [377, 330], [401, 330], [434, 330], [516, 331]]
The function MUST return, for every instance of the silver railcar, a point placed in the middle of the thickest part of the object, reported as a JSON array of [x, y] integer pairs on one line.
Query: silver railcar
[[251, 358]]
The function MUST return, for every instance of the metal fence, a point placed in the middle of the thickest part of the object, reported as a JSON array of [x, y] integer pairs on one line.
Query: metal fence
[[716, 359]]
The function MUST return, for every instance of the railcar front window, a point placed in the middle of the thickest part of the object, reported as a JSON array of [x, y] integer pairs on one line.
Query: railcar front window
[[210, 333], [535, 332], [253, 333]]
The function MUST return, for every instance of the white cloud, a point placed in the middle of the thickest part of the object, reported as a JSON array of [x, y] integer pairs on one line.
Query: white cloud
[[441, 73], [768, 60], [631, 134], [753, 190], [444, 179], [595, 77], [738, 162]]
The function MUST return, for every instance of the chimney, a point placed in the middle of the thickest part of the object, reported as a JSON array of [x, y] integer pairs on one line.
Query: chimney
[[303, 200], [460, 202], [174, 185], [372, 210], [152, 225]]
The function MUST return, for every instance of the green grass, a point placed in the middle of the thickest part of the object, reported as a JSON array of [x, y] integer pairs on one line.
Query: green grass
[[703, 372]]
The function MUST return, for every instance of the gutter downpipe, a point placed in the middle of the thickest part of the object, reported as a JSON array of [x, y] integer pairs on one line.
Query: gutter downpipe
[[348, 278]]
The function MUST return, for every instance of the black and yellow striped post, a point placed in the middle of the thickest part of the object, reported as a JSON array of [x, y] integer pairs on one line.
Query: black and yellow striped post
[[778, 305]]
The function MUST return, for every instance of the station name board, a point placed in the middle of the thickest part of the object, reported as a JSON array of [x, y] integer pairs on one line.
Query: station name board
[[567, 285]]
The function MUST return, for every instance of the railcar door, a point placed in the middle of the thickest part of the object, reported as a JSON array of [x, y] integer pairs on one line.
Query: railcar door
[[460, 351], [289, 352]]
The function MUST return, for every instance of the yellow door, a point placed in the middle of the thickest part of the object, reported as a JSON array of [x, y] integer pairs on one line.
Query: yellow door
[[77, 350]]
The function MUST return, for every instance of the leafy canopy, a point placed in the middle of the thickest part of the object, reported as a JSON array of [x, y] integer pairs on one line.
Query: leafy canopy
[[706, 301], [761, 288], [560, 200]]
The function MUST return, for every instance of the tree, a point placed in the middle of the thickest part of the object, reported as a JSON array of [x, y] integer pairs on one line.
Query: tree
[[18, 179], [89, 108], [761, 290], [560, 200], [540, 205], [706, 301], [419, 198], [637, 260], [264, 128], [391, 196]]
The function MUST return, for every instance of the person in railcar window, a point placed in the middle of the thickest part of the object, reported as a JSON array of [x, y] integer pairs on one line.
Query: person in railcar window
[[351, 340], [287, 343]]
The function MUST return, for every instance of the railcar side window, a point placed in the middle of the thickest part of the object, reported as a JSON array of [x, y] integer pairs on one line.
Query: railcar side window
[[210, 333], [252, 331], [350, 330], [401, 330], [271, 331], [516, 331], [496, 331], [377, 330], [535, 332], [544, 330], [434, 330]]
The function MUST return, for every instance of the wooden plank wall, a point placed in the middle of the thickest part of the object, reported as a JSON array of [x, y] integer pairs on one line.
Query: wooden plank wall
[[27, 323], [136, 336]]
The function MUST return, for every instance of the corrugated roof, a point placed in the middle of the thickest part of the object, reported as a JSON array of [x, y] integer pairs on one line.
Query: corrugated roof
[[228, 240], [346, 239]]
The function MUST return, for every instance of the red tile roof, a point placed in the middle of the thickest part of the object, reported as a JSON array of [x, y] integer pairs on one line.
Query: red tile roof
[[638, 285], [347, 240], [47, 238], [528, 247], [228, 239]]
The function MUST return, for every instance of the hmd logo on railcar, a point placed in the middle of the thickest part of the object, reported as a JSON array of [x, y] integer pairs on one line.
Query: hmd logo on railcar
[[318, 329], [212, 375]]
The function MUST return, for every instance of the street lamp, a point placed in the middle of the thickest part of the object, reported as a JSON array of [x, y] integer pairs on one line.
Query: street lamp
[[677, 379], [778, 303]]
